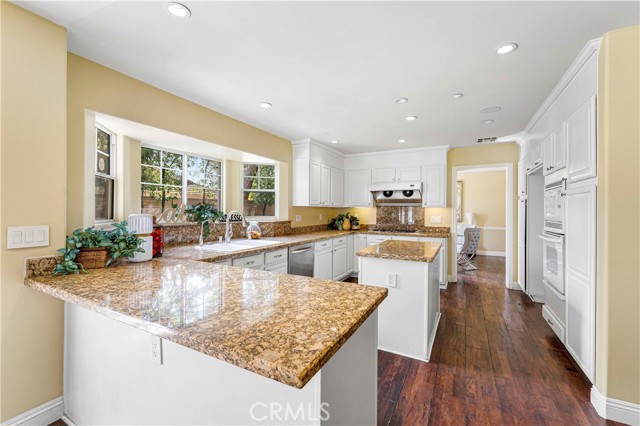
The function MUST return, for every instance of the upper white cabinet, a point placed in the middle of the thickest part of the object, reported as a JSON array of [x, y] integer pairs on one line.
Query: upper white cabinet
[[554, 148], [435, 186], [580, 132], [357, 188], [395, 174], [336, 197], [317, 175]]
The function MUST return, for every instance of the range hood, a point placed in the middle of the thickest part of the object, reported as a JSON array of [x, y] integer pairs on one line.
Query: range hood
[[407, 194]]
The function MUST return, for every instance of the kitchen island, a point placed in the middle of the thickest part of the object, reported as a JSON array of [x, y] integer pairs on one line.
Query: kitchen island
[[409, 318], [179, 341]]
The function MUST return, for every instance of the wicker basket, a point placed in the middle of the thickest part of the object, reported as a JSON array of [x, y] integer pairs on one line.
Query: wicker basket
[[93, 258]]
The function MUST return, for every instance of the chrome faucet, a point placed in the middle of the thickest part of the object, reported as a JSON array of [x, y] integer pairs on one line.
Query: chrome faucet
[[227, 231], [210, 221]]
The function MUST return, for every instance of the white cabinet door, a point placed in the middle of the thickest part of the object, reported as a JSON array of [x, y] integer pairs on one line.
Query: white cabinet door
[[522, 179], [278, 267], [580, 134], [323, 265], [337, 187], [350, 256], [383, 175], [548, 150], [315, 183], [559, 149], [408, 174], [435, 191], [443, 257], [325, 185], [536, 155], [522, 211], [340, 262], [359, 242], [580, 275], [358, 194], [375, 239]]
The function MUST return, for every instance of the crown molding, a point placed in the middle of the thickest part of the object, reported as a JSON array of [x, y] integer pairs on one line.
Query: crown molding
[[591, 48], [400, 151]]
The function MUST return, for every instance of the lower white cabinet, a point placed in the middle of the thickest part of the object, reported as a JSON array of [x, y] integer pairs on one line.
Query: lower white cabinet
[[281, 267], [443, 257], [340, 262], [323, 264], [580, 274], [376, 239], [350, 254], [252, 262], [359, 242]]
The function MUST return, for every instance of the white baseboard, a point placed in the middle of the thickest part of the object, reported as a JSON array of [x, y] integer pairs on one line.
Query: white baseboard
[[449, 279], [491, 253], [515, 285], [41, 415], [68, 421], [615, 409], [444, 286]]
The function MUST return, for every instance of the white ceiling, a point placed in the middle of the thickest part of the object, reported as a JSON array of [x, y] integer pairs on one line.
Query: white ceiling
[[333, 69]]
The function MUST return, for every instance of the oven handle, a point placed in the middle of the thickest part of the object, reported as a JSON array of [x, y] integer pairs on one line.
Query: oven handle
[[550, 239]]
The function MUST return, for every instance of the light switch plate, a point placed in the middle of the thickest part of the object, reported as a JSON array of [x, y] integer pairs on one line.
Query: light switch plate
[[156, 349], [298, 218], [392, 279], [436, 219], [27, 236]]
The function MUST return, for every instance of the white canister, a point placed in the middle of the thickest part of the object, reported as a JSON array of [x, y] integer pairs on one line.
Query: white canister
[[142, 226]]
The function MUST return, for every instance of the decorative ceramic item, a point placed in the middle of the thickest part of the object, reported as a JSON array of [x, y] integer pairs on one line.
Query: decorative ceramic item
[[141, 225], [346, 224]]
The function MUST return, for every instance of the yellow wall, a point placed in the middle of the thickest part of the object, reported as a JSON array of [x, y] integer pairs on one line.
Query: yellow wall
[[483, 193], [32, 187], [618, 292]]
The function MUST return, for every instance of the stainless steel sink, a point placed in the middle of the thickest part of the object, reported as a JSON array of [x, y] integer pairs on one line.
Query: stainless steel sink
[[236, 245]]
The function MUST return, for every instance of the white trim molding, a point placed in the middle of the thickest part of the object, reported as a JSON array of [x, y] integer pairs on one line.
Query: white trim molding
[[42, 415], [615, 409]]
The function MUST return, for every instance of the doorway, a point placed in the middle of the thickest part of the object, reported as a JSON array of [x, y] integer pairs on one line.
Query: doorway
[[496, 227]]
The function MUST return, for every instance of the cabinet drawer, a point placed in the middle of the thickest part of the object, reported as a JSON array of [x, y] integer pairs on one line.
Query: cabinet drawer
[[256, 261], [224, 262], [375, 239], [553, 322], [339, 241], [280, 267], [324, 245], [275, 256]]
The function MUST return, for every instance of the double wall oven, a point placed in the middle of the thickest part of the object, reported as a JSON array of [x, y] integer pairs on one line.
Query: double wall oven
[[553, 247]]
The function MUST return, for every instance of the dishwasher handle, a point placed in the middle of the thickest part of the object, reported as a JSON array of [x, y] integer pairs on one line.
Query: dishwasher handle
[[304, 250]]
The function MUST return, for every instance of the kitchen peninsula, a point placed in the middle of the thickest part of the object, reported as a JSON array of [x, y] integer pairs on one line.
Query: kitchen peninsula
[[408, 320], [180, 341]]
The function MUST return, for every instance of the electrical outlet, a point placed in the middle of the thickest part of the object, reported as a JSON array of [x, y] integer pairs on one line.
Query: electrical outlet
[[392, 279], [156, 349], [321, 216], [356, 215], [436, 219], [298, 218]]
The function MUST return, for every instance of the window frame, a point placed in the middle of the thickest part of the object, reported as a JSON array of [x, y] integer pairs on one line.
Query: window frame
[[185, 171], [276, 178], [113, 140]]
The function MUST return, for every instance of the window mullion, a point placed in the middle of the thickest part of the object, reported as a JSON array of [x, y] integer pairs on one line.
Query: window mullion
[[184, 179]]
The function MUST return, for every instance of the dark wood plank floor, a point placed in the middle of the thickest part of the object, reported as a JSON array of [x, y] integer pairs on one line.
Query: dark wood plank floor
[[495, 361]]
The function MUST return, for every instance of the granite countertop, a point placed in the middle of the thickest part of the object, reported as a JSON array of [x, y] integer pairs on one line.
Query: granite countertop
[[402, 250], [210, 255], [280, 326]]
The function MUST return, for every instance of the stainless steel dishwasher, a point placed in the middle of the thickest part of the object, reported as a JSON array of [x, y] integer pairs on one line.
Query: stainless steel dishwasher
[[301, 260]]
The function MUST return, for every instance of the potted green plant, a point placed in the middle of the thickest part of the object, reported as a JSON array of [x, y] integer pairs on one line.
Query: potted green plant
[[337, 222], [93, 248], [202, 212]]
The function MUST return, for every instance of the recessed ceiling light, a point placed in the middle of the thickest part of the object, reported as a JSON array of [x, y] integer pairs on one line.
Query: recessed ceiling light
[[334, 141], [458, 95], [489, 109], [401, 140], [488, 121], [265, 105], [179, 10], [506, 48], [411, 118], [401, 100]]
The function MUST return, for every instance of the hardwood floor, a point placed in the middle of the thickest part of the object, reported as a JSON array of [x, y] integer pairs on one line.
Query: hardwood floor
[[495, 361]]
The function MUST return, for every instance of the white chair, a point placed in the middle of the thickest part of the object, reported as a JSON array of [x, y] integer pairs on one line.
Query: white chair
[[469, 248]]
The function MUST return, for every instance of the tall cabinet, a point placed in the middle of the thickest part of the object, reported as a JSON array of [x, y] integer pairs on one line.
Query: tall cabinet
[[565, 127]]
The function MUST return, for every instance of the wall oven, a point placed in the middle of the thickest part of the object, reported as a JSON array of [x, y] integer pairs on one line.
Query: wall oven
[[553, 262], [554, 196]]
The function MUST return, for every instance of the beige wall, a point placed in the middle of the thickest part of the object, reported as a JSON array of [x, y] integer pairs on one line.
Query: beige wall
[[32, 188], [618, 291], [483, 193]]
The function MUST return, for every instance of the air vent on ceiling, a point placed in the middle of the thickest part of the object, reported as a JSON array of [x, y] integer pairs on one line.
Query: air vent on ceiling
[[492, 139]]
